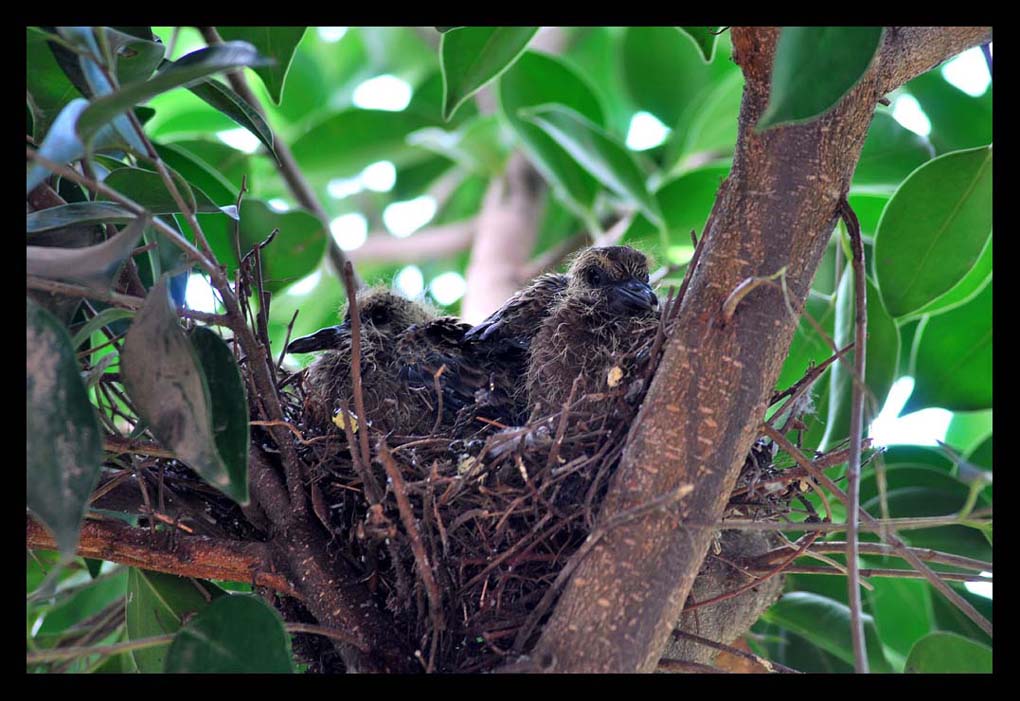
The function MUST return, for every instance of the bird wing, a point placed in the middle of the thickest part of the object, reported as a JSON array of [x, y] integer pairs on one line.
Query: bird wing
[[514, 324]]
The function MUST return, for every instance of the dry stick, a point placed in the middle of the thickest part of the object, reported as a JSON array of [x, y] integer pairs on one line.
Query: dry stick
[[926, 554], [288, 166], [887, 534], [795, 390], [191, 556], [359, 399], [883, 572], [421, 558], [667, 664], [872, 526], [853, 471], [769, 665]]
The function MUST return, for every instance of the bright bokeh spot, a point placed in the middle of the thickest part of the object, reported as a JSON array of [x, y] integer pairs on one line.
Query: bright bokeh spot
[[278, 204], [404, 218], [240, 138], [332, 34], [306, 284], [349, 231], [200, 295], [968, 72], [645, 132], [980, 588], [339, 188], [907, 111], [409, 281], [448, 287], [925, 427], [385, 92], [379, 177]]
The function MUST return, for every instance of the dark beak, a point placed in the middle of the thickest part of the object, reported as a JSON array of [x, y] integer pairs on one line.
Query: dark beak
[[633, 297], [324, 339]]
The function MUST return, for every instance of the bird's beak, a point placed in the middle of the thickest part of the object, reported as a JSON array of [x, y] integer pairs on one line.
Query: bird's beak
[[324, 339], [633, 296]]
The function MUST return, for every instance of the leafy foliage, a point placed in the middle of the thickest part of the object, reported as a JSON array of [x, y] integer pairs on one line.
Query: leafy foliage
[[114, 103]]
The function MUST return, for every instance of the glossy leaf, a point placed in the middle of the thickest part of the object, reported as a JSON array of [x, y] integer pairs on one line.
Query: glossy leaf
[[538, 79], [147, 189], [479, 145], [814, 67], [159, 604], [103, 318], [92, 266], [891, 152], [235, 634], [952, 358], [343, 144], [295, 252], [276, 43], [135, 57], [958, 120], [229, 406], [949, 653], [881, 357], [61, 144], [934, 229], [185, 71], [599, 153], [902, 609], [232, 105], [704, 38], [49, 89], [77, 213], [713, 126], [966, 289], [198, 173], [165, 380], [63, 442], [471, 57], [826, 623]]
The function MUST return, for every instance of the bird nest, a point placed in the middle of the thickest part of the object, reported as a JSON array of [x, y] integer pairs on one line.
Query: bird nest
[[465, 541]]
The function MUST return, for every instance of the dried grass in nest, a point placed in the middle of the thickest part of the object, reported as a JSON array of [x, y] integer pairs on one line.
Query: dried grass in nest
[[470, 534]]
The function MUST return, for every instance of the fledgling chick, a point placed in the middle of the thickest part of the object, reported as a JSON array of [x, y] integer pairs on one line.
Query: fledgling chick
[[606, 314], [499, 345], [389, 403]]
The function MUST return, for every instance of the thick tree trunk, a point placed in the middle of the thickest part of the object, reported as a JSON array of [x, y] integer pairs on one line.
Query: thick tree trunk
[[776, 210]]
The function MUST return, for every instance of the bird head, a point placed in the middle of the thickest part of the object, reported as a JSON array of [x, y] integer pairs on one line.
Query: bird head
[[613, 278], [382, 313]]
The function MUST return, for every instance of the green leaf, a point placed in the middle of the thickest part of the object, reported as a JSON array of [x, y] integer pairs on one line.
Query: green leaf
[[92, 266], [49, 90], [76, 213], [159, 604], [478, 145], [814, 68], [82, 604], [600, 154], [949, 653], [934, 229], [808, 347], [197, 172], [229, 405], [538, 79], [63, 441], [967, 429], [471, 57], [146, 188], [713, 126], [881, 357], [902, 609], [344, 143], [958, 121], [826, 623], [704, 38], [277, 43], [952, 358], [185, 71], [295, 252], [103, 318], [136, 57], [232, 105], [982, 454], [235, 634], [890, 152], [966, 289], [166, 382]]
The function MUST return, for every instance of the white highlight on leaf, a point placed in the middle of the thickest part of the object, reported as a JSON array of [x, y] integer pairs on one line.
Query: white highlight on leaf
[[907, 111], [924, 427], [980, 588], [645, 132], [306, 284], [968, 72], [240, 138], [349, 231], [447, 288], [409, 281], [404, 218], [339, 188], [379, 177], [278, 204], [331, 34], [384, 92]]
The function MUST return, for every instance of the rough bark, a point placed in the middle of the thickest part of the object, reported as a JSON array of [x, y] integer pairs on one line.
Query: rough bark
[[777, 209]]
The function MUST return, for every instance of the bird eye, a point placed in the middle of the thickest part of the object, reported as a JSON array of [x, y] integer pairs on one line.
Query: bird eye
[[595, 277], [378, 316]]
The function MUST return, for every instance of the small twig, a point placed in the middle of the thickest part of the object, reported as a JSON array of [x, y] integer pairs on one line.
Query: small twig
[[684, 667], [439, 398], [119, 445], [745, 288], [880, 572], [359, 399], [769, 665], [421, 558], [872, 526]]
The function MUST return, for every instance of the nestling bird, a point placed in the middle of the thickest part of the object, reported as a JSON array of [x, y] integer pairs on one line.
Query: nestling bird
[[606, 314], [390, 404]]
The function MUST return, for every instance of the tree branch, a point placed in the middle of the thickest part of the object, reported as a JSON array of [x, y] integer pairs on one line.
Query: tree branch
[[705, 403]]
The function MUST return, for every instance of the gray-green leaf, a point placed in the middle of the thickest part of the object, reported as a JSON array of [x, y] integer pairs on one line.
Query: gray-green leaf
[[470, 57]]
